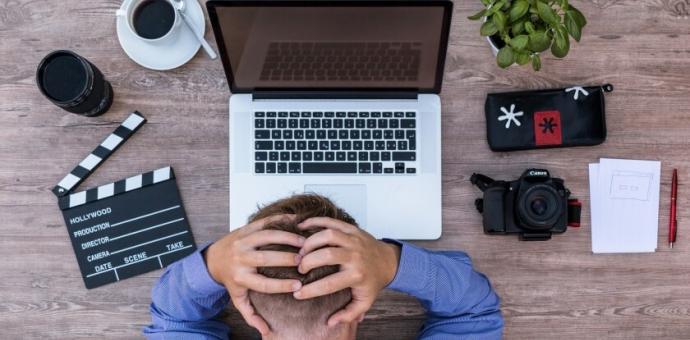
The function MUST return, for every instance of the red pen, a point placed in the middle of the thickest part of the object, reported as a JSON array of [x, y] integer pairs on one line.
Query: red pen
[[673, 224]]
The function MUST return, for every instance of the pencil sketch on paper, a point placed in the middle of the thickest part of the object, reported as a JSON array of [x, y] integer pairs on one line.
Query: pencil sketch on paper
[[631, 185]]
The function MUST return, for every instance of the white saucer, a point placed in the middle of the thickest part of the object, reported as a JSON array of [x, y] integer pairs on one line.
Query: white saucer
[[174, 53]]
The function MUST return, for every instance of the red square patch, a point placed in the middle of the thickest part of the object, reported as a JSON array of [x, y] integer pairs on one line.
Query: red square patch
[[547, 128]]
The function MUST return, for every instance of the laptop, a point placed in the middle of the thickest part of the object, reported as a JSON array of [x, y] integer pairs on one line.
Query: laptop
[[338, 98]]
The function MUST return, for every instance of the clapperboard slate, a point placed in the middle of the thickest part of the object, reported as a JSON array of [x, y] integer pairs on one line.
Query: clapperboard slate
[[126, 228]]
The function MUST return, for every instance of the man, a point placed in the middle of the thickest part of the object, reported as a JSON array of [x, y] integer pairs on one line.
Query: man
[[302, 269]]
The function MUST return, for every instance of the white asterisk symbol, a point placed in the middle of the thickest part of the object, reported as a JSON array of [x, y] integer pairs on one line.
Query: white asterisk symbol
[[577, 90], [510, 116]]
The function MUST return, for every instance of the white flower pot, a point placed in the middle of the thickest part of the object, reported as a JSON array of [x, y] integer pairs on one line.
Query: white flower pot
[[494, 49]]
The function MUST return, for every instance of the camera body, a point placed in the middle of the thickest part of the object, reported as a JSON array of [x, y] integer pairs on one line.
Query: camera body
[[535, 206]]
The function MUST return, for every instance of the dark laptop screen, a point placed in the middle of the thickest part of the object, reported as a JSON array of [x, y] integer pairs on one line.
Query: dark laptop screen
[[327, 45]]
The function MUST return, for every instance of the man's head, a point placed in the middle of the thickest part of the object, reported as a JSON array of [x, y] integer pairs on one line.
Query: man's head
[[288, 317]]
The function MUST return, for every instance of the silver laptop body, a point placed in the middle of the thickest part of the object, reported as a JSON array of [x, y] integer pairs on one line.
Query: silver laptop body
[[338, 98]]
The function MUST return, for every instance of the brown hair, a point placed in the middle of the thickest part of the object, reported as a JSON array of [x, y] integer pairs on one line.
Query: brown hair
[[286, 315]]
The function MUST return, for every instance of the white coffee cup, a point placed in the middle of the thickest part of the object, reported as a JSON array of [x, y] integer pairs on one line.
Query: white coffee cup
[[127, 11]]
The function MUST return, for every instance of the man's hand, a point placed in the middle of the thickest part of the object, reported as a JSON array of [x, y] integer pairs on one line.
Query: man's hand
[[366, 265], [232, 261]]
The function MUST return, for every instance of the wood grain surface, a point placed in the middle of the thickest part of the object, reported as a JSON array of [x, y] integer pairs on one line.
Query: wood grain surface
[[549, 290]]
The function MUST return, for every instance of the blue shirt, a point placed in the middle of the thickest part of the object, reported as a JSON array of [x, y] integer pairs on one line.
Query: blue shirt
[[459, 301]]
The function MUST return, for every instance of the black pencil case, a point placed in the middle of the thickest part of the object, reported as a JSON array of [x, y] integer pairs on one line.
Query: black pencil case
[[573, 116]]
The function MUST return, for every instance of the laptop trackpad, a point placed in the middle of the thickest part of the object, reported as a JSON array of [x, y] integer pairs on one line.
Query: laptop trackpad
[[350, 197]]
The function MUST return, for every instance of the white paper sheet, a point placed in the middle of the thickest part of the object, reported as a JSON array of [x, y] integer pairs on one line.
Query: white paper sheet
[[594, 204], [624, 197]]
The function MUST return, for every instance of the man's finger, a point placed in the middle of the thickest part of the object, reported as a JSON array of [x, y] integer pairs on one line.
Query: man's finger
[[327, 222], [244, 306], [267, 258], [262, 284], [350, 313], [323, 257], [259, 224], [326, 237], [327, 285], [260, 324], [266, 237]]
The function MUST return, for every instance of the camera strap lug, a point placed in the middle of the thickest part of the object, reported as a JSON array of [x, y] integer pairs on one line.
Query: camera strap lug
[[574, 212], [481, 181], [479, 204]]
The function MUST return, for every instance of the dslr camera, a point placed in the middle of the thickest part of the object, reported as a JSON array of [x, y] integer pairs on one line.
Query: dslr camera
[[535, 206]]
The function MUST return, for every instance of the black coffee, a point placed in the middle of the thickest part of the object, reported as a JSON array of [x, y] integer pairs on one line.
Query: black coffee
[[64, 78], [153, 18]]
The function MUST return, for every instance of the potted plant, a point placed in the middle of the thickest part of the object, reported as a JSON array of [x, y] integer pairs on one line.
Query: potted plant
[[519, 30]]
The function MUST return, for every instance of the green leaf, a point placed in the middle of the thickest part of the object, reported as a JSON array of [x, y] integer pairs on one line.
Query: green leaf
[[563, 4], [522, 58], [487, 2], [572, 26], [518, 27], [561, 44], [578, 16], [478, 15], [518, 9], [488, 29], [547, 14], [496, 7], [529, 27], [505, 57], [539, 41], [499, 20], [536, 62], [519, 42]]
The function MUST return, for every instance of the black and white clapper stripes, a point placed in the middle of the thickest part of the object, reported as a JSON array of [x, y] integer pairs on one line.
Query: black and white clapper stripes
[[100, 154], [116, 188], [126, 228]]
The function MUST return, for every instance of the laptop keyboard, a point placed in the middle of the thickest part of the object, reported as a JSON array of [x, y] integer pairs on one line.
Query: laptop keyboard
[[335, 142], [345, 61]]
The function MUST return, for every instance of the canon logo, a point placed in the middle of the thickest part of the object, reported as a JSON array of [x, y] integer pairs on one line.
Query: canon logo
[[538, 173]]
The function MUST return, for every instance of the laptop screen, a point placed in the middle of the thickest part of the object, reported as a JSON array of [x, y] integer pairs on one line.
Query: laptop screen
[[332, 45]]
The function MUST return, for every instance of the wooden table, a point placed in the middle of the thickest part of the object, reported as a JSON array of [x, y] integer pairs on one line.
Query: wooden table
[[549, 290]]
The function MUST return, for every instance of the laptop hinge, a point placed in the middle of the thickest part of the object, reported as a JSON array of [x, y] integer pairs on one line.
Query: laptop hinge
[[334, 95]]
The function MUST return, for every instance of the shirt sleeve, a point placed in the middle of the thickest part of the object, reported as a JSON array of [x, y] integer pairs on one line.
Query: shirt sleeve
[[186, 302], [459, 301]]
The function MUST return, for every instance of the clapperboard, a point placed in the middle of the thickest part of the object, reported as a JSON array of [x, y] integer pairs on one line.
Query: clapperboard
[[128, 227]]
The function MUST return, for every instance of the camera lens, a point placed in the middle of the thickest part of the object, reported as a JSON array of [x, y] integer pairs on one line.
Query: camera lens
[[539, 207]]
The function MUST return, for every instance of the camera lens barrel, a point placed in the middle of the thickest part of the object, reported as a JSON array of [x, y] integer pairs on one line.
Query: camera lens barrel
[[74, 84], [539, 207]]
